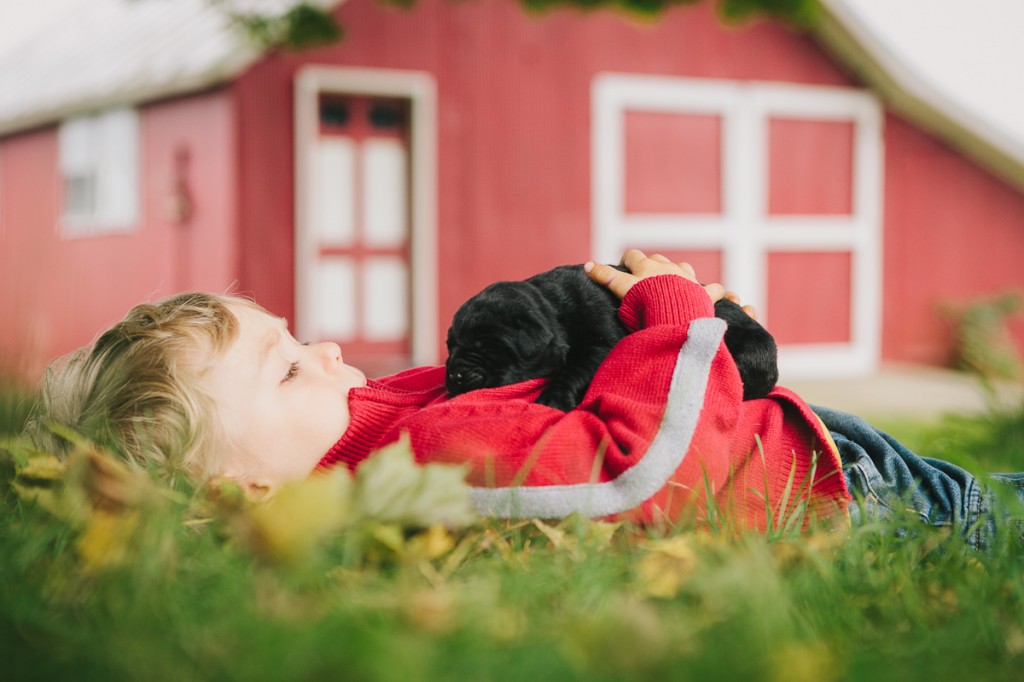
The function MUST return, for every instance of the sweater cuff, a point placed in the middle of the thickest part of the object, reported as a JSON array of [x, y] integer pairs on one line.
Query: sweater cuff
[[664, 299]]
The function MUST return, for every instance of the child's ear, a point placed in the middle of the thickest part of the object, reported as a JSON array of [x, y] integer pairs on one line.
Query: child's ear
[[257, 491]]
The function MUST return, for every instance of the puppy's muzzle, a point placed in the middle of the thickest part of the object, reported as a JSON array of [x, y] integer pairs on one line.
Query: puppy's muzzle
[[458, 380]]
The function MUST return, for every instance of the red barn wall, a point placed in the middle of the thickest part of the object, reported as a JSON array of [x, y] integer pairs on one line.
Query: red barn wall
[[60, 291], [514, 100], [953, 233], [514, 174]]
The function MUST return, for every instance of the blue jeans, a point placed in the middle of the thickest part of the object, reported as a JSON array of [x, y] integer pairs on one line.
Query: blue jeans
[[891, 481]]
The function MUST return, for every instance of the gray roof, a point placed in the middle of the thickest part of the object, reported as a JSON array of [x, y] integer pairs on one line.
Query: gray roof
[[101, 53]]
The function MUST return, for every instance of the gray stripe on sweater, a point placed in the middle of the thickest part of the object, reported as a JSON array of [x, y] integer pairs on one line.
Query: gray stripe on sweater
[[642, 480]]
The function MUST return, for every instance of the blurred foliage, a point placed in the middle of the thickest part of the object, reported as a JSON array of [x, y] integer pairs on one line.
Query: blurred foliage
[[301, 26], [983, 344], [797, 12], [386, 575], [104, 575], [311, 23], [16, 403]]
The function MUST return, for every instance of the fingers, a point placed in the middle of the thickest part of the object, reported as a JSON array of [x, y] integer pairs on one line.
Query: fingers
[[618, 282], [716, 291], [633, 259], [641, 266]]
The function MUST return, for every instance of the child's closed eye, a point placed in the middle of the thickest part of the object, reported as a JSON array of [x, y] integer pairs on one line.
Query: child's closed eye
[[293, 371]]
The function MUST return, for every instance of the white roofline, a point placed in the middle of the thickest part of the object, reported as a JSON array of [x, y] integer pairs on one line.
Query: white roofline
[[96, 54], [181, 84], [848, 39]]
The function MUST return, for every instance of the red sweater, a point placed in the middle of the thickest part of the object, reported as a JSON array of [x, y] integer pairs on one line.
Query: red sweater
[[662, 424]]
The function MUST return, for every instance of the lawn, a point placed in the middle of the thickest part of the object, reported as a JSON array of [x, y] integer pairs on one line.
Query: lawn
[[105, 576]]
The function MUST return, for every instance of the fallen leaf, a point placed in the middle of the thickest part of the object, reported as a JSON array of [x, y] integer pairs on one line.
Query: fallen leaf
[[665, 566], [431, 544], [288, 525], [104, 541], [391, 487]]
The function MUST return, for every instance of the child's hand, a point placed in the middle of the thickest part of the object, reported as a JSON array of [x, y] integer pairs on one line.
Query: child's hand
[[641, 267], [750, 310]]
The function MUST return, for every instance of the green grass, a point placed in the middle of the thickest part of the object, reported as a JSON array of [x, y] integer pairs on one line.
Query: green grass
[[192, 599]]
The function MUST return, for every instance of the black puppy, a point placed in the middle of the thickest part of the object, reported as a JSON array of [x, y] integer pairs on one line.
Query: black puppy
[[561, 324]]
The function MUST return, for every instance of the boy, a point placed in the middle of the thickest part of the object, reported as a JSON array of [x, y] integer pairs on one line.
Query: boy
[[217, 387]]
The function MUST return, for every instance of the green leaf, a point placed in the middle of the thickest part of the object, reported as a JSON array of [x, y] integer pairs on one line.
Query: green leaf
[[391, 487]]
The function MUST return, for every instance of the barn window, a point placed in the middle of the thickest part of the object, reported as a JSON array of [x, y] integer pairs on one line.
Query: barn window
[[334, 114], [772, 188], [99, 167]]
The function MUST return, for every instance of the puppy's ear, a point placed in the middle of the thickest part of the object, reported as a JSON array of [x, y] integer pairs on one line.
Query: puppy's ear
[[540, 344]]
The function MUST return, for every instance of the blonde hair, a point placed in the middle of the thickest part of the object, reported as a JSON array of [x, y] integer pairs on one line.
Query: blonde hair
[[136, 390]]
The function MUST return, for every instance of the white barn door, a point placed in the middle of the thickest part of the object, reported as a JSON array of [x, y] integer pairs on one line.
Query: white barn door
[[364, 230]]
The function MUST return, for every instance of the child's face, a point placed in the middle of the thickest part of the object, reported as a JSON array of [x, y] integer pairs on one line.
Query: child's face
[[282, 404]]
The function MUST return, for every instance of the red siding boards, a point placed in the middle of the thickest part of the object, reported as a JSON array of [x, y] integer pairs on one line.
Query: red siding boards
[[265, 195], [61, 290], [952, 232]]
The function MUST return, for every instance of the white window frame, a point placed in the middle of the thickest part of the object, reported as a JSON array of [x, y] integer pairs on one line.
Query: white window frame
[[743, 231], [102, 149], [421, 90], [3, 217]]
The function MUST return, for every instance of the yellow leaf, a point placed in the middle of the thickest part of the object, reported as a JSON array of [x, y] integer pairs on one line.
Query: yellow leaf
[[41, 481], [558, 537], [596, 534], [663, 570], [390, 535], [290, 524], [42, 468], [435, 542], [104, 542]]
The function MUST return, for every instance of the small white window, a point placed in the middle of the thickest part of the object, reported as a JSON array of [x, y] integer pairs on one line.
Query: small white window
[[99, 168]]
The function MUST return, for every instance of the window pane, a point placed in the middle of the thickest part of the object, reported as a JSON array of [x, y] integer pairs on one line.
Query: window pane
[[809, 297], [810, 167], [76, 149], [384, 192], [386, 303], [673, 163], [336, 298], [99, 164], [334, 191], [80, 196]]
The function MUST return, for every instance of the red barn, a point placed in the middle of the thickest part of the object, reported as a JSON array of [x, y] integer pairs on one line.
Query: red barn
[[366, 188]]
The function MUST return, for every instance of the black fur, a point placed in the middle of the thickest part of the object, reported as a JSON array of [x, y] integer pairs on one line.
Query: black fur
[[560, 324]]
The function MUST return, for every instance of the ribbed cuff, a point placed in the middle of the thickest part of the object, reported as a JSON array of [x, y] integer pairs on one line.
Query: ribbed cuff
[[664, 299]]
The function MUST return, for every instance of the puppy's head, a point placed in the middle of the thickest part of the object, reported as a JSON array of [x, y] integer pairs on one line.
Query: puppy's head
[[503, 335]]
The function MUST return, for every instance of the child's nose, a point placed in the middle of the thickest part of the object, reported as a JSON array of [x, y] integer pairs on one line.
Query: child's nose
[[330, 354]]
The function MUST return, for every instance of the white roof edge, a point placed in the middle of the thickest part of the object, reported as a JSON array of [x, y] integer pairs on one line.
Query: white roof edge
[[166, 49], [849, 39], [131, 95]]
